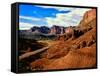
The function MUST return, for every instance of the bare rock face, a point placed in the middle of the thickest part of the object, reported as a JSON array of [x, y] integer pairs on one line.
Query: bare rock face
[[57, 30], [88, 17], [69, 30], [42, 29], [67, 34]]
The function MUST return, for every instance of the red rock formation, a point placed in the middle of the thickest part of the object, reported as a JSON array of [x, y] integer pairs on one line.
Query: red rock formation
[[69, 30], [82, 56], [53, 30], [88, 16], [57, 30]]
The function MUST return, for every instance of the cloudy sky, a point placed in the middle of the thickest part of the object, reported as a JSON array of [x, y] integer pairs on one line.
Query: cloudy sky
[[36, 15]]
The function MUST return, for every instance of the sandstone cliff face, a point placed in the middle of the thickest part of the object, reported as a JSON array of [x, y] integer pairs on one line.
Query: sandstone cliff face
[[57, 30], [89, 15], [88, 18], [69, 30]]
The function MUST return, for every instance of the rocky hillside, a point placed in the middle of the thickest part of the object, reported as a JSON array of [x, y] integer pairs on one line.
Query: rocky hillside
[[76, 51], [89, 19]]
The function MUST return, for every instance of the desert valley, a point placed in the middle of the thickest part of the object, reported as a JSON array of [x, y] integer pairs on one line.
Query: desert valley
[[45, 48]]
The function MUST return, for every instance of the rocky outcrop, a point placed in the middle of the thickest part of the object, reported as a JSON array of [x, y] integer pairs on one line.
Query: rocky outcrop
[[42, 29], [57, 30], [89, 18], [53, 30]]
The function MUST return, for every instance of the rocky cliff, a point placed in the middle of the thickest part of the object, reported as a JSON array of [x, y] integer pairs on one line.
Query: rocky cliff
[[57, 30], [89, 18], [42, 29]]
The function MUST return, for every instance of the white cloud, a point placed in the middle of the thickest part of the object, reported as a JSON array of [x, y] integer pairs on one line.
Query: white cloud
[[29, 18], [64, 8], [67, 19], [25, 26], [62, 19], [28, 25], [58, 8]]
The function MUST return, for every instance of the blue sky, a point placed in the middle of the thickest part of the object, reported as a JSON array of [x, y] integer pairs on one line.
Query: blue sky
[[35, 15]]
